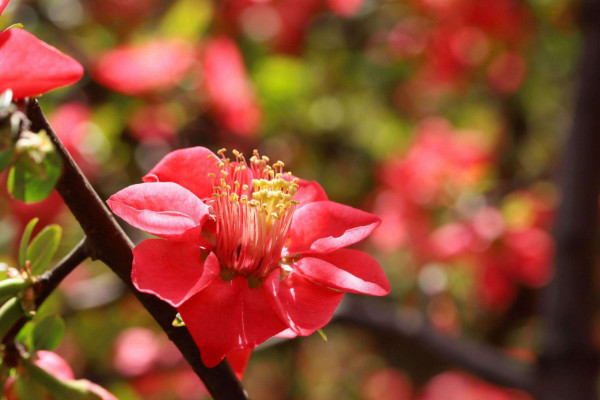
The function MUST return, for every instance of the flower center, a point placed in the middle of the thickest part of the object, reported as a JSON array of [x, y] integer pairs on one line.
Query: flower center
[[253, 207]]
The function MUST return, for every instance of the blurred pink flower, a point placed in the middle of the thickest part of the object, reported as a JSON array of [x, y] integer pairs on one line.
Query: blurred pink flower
[[228, 88], [459, 386], [140, 69]]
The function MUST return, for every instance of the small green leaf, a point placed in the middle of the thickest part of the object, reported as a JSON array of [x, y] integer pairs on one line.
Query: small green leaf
[[6, 158], [48, 333], [25, 335], [42, 248], [11, 286], [10, 312], [27, 186], [25, 241]]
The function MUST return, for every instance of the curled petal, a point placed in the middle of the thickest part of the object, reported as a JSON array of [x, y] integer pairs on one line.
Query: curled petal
[[172, 271], [161, 208], [325, 226], [187, 167], [229, 316], [348, 270], [303, 305], [309, 191], [30, 67]]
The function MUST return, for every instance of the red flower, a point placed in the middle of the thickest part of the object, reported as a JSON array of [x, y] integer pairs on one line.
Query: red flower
[[228, 88], [31, 67], [136, 70], [274, 258]]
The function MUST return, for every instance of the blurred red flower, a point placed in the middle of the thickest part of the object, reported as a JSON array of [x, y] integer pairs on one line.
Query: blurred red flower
[[272, 256], [228, 88], [138, 69]]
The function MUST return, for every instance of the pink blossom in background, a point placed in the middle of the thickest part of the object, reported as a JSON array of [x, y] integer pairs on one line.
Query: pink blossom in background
[[140, 69], [153, 123], [387, 384], [507, 72], [250, 251], [345, 8], [228, 88], [460, 386]]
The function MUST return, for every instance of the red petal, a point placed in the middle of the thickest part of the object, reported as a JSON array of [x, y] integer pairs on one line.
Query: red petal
[[163, 209], [152, 66], [172, 271], [3, 4], [31, 67], [239, 360], [229, 316], [303, 305], [325, 226], [309, 191], [189, 168], [348, 270]]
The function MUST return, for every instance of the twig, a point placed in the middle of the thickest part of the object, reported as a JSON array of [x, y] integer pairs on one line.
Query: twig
[[480, 359], [111, 245], [43, 287], [569, 362]]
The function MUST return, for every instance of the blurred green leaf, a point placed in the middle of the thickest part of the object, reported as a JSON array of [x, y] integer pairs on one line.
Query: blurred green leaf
[[42, 248], [6, 157], [24, 335], [187, 19], [30, 187], [48, 333], [25, 241]]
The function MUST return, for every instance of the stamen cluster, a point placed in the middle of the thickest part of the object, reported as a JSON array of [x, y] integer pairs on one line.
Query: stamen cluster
[[253, 207]]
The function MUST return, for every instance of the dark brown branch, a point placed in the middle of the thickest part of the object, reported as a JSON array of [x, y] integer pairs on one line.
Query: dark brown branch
[[479, 359], [111, 245], [569, 363]]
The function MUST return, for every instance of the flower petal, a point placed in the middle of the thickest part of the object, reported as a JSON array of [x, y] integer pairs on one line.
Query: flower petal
[[348, 270], [303, 305], [187, 167], [325, 226], [172, 271], [31, 67], [139, 69], [239, 360], [163, 209], [229, 316], [309, 191]]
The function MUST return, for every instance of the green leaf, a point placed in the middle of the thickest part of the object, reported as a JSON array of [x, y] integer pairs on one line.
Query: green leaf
[[28, 186], [42, 248], [25, 334], [6, 158], [177, 22], [11, 286], [10, 312], [48, 333], [25, 241]]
